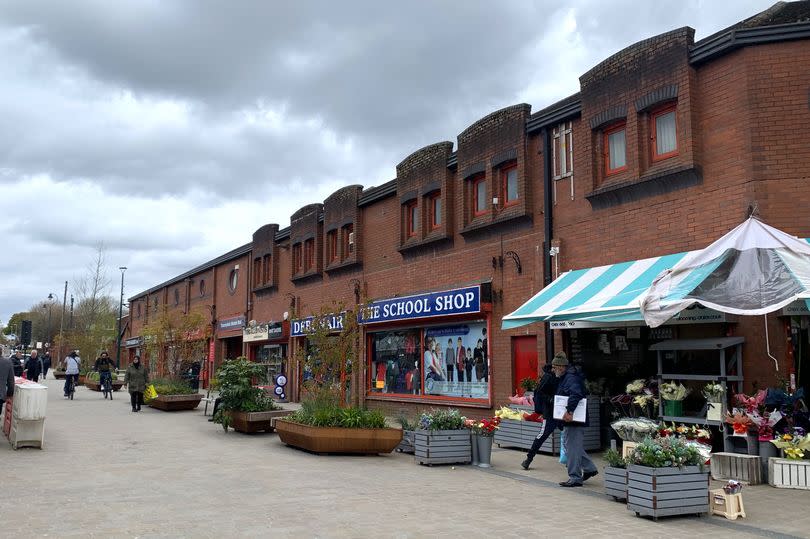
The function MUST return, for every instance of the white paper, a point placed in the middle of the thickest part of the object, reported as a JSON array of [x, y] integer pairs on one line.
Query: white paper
[[560, 404]]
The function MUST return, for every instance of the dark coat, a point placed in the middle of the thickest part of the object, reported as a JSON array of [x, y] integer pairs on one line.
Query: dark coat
[[572, 385], [17, 364], [544, 393], [32, 368], [46, 363], [136, 379], [6, 378]]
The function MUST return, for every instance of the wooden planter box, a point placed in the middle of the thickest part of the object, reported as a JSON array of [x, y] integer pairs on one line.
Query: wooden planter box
[[521, 434], [250, 422], [338, 440], [745, 468], [442, 446], [94, 385], [59, 375], [788, 473], [660, 492], [406, 445], [616, 482], [173, 403]]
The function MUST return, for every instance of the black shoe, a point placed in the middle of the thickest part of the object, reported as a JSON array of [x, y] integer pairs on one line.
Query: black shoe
[[134, 410], [570, 484], [525, 464], [588, 475]]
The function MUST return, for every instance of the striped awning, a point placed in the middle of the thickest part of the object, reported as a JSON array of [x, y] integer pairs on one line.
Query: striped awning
[[604, 294]]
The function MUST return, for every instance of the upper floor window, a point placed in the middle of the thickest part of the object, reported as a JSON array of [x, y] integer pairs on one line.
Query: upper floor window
[[479, 195], [562, 156], [297, 259], [233, 280], [257, 272], [138, 309], [663, 132], [267, 272], [509, 185], [202, 287], [309, 254], [435, 209], [331, 246], [411, 218], [176, 296], [615, 148], [348, 240]]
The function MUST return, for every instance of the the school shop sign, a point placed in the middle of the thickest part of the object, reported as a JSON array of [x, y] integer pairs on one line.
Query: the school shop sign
[[301, 326], [445, 303]]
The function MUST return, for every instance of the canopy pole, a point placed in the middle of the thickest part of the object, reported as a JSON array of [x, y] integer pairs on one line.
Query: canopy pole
[[768, 344]]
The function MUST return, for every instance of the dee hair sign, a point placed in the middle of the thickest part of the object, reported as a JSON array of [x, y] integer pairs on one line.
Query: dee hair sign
[[445, 303]]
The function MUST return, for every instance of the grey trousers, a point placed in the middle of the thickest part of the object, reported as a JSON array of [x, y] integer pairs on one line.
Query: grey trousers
[[578, 460]]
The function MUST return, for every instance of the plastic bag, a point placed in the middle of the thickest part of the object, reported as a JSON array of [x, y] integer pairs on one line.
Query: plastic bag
[[150, 392], [563, 454]]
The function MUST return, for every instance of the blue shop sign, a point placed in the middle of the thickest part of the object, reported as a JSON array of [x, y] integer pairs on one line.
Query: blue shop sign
[[300, 327], [446, 303]]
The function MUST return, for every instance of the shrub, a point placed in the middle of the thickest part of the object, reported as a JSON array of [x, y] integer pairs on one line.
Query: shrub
[[666, 452], [237, 392], [322, 411], [169, 386], [450, 419], [614, 459]]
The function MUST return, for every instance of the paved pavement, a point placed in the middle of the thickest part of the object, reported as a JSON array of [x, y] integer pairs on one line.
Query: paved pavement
[[106, 472]]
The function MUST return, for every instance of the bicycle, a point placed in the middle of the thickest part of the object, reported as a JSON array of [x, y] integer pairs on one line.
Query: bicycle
[[106, 384], [71, 385]]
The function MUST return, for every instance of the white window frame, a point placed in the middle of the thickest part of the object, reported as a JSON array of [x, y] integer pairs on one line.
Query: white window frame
[[563, 134]]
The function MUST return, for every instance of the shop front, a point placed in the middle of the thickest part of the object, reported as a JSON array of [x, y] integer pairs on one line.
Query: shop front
[[229, 337], [302, 352], [429, 348], [134, 347], [796, 318], [267, 345]]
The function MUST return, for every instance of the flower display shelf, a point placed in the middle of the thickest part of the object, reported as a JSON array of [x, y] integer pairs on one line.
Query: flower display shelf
[[252, 422], [442, 446], [616, 482], [173, 403], [658, 492], [325, 440], [406, 445], [789, 473]]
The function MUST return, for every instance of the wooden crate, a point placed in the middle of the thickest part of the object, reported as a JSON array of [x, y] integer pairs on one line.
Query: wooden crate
[[726, 505], [743, 468], [616, 482], [788, 473], [659, 492], [442, 446]]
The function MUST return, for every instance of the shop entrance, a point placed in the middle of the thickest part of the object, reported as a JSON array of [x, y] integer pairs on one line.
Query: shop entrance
[[524, 360]]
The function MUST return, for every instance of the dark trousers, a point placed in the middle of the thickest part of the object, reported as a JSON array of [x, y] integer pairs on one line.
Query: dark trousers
[[44, 373], [450, 372], [548, 430], [136, 398], [68, 378]]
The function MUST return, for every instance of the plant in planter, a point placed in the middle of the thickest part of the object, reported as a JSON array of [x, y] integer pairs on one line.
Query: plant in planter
[[409, 427], [482, 432], [793, 471], [528, 385], [615, 475], [673, 394], [244, 406], [665, 476], [442, 438], [173, 395]]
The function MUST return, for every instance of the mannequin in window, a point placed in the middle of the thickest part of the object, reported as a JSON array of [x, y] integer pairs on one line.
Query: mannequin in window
[[450, 360]]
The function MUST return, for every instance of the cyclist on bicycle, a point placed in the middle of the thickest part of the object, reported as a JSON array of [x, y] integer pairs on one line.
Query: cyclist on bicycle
[[72, 363], [104, 365]]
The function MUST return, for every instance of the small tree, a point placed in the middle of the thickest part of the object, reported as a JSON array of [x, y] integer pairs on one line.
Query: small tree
[[174, 340]]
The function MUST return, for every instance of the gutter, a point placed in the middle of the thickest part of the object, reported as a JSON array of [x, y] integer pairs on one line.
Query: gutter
[[548, 231], [731, 40]]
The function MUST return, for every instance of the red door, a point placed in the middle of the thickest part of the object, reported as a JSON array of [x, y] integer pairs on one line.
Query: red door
[[524, 360]]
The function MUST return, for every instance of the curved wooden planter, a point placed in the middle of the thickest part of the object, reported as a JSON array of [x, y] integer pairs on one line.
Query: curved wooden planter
[[173, 403], [93, 385], [59, 375], [251, 422], [337, 439]]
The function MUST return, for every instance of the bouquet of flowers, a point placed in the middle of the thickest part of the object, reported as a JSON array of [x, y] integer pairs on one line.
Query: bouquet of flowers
[[504, 412], [765, 423], [713, 392], [689, 432], [634, 429], [450, 419], [793, 444], [751, 403], [673, 391], [638, 393], [666, 452], [486, 427], [740, 422]]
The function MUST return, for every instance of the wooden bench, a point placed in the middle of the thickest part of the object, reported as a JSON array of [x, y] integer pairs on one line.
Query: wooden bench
[[743, 468]]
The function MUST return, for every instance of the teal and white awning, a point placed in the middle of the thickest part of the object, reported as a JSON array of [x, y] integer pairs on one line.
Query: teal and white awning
[[604, 294]]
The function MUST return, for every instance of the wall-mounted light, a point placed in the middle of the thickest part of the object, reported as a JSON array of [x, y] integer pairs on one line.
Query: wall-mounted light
[[495, 201]]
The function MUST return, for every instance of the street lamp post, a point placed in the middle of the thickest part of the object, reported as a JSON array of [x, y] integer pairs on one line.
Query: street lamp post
[[51, 297], [120, 313], [62, 323]]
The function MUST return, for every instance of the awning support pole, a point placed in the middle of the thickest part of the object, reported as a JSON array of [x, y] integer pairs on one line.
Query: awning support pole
[[768, 344]]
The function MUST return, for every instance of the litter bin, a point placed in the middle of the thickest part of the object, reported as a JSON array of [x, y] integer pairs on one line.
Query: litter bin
[[28, 415]]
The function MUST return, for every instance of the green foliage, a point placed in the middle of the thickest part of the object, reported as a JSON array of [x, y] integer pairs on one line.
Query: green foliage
[[174, 340], [450, 419], [170, 386], [665, 452], [615, 459], [235, 380], [407, 424], [529, 384], [325, 411]]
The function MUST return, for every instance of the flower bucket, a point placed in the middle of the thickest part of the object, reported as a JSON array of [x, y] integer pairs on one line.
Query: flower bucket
[[474, 444], [484, 444], [673, 408], [714, 411]]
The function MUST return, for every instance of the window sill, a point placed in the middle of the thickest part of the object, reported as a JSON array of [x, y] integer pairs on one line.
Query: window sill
[[263, 288], [337, 266], [305, 276], [512, 213], [437, 236], [424, 399], [657, 182]]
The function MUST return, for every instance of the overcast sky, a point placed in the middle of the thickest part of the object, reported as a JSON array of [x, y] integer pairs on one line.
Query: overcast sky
[[171, 130]]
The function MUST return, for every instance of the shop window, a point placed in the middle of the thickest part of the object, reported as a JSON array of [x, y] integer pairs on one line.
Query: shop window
[[202, 287], [257, 272], [509, 185], [411, 218], [309, 254], [297, 259], [267, 269], [233, 280], [441, 361], [348, 240], [615, 148], [331, 246], [479, 195], [435, 209], [663, 133], [563, 156]]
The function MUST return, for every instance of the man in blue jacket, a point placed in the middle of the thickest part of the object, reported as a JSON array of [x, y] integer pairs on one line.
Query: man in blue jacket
[[571, 385]]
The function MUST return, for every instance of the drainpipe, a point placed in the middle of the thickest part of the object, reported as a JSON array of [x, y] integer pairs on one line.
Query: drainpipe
[[547, 231]]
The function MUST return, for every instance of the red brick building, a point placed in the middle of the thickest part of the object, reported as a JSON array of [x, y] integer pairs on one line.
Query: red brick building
[[669, 144]]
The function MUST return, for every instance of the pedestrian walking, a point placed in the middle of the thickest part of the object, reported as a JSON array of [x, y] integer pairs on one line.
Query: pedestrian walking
[[33, 366], [6, 381], [46, 364], [17, 363], [571, 385], [544, 404], [136, 379]]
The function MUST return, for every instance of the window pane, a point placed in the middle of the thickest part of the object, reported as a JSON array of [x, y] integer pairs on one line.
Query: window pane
[[665, 140], [437, 211], [511, 185], [413, 218], [455, 361], [480, 196], [617, 149]]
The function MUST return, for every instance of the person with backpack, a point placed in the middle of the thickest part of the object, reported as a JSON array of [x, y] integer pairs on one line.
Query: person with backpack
[[544, 404], [72, 364]]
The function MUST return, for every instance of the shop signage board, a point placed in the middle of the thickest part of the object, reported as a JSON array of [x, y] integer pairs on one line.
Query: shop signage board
[[445, 303], [232, 323], [797, 308], [300, 327], [135, 341], [261, 332], [693, 315]]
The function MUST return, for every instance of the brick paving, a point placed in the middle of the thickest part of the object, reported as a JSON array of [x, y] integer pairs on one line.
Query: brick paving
[[106, 472]]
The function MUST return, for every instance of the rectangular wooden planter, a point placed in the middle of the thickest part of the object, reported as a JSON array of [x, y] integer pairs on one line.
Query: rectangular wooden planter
[[521, 434], [660, 492], [442, 446], [337, 439], [173, 403], [788, 473], [406, 445], [94, 385], [251, 422], [616, 482]]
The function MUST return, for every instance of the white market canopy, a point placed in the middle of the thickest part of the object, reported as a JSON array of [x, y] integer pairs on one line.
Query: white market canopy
[[613, 294]]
